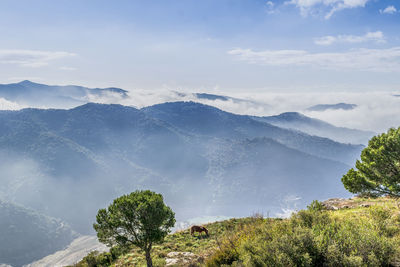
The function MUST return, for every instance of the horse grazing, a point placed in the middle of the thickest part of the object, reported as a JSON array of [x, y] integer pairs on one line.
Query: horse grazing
[[199, 229]]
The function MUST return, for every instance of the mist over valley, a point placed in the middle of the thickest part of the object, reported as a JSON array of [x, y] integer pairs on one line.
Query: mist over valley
[[68, 163]]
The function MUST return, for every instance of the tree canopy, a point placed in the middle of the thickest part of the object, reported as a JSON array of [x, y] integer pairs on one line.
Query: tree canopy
[[140, 218], [378, 171]]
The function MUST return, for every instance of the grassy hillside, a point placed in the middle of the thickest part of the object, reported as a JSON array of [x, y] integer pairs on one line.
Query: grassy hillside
[[338, 232], [200, 247]]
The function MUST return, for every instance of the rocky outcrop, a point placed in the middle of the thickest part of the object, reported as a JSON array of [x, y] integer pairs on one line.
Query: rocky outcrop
[[182, 259]]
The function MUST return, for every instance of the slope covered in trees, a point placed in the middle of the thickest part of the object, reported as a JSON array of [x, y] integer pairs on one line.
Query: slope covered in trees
[[312, 126], [192, 153]]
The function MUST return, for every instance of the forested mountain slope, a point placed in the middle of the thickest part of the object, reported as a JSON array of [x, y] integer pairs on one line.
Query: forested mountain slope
[[197, 156]]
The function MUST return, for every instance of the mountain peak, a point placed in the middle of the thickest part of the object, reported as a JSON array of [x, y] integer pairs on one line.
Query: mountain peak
[[291, 115], [323, 107], [98, 105], [211, 96], [181, 104], [27, 83], [104, 107]]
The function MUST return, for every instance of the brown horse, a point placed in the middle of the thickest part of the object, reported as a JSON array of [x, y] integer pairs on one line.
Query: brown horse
[[199, 229]]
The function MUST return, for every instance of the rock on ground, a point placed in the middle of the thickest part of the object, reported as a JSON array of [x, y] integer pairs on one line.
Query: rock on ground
[[182, 258]]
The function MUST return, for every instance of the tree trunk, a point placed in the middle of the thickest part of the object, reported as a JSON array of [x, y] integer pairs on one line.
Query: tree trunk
[[148, 258]]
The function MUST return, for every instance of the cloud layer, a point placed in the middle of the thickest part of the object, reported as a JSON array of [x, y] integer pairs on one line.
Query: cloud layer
[[388, 10], [351, 39], [377, 60], [315, 6], [31, 58], [375, 111], [8, 105]]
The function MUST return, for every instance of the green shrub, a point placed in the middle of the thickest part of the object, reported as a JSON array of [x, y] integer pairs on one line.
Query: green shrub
[[314, 237], [96, 259], [380, 217], [91, 259], [316, 206], [224, 256], [279, 245], [117, 251], [228, 253]]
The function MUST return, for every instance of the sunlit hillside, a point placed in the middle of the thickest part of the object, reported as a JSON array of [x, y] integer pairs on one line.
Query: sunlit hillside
[[352, 232]]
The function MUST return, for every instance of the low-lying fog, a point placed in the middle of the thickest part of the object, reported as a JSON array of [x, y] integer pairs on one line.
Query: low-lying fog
[[375, 111], [68, 164]]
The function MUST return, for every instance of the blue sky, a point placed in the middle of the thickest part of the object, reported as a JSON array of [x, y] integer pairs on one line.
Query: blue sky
[[207, 45]]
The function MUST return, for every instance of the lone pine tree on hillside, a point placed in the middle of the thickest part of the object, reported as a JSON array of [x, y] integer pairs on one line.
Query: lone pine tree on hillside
[[378, 170], [140, 218]]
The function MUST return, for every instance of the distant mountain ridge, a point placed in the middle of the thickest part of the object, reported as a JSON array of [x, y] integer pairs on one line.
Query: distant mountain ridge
[[211, 121], [297, 121], [323, 107], [209, 98], [27, 93]]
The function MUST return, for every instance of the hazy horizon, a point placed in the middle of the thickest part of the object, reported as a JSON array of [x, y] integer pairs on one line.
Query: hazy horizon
[[374, 111], [232, 46], [285, 55]]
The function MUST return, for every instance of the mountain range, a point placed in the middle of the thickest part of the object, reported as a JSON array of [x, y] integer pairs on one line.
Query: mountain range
[[27, 93], [98, 151], [297, 121], [209, 121], [68, 163], [323, 107]]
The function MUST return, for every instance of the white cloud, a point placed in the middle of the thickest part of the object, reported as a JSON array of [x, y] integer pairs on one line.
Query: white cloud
[[377, 37], [8, 105], [30, 58], [270, 4], [326, 40], [376, 111], [311, 6], [377, 60], [388, 10], [270, 7]]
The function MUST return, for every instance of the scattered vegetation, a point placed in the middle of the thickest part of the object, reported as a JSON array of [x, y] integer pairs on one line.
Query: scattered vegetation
[[356, 232], [359, 236], [200, 246]]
